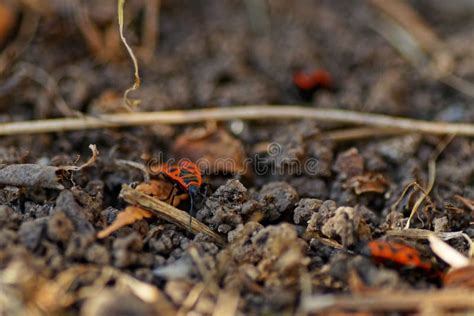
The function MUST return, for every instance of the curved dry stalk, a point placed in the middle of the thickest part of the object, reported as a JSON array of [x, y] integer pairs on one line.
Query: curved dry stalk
[[426, 192], [431, 178], [254, 112], [89, 162], [129, 104]]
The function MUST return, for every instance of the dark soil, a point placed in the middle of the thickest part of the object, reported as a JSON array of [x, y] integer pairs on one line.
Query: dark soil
[[288, 230]]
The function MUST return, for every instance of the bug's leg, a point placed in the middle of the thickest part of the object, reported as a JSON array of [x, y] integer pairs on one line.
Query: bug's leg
[[175, 186], [206, 186], [172, 200], [191, 210], [169, 195]]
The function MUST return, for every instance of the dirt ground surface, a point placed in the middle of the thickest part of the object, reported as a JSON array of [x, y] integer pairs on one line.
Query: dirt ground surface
[[297, 209]]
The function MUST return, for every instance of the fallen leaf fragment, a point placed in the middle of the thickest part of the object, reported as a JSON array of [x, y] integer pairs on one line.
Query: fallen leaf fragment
[[130, 215], [159, 189], [460, 277], [368, 182], [7, 21], [215, 150]]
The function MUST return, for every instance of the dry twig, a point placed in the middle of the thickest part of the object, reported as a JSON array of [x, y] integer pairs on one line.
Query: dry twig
[[348, 134], [168, 212], [256, 112], [416, 233]]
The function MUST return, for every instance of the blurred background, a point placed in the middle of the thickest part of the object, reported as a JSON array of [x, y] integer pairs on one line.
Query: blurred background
[[59, 58], [65, 58]]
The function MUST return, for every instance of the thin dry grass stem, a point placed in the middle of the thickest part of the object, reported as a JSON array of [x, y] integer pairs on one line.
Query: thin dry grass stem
[[91, 33], [425, 193], [89, 162], [444, 300], [349, 134], [458, 83], [416, 41], [151, 29], [416, 233], [431, 178], [128, 103], [404, 193], [467, 202], [326, 241], [255, 112], [168, 212], [26, 32], [402, 12]]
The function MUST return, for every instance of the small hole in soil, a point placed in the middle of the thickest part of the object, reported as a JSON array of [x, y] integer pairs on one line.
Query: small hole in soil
[[224, 79]]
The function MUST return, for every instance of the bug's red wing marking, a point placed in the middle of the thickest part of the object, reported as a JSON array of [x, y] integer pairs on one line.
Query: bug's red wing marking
[[185, 173], [398, 253]]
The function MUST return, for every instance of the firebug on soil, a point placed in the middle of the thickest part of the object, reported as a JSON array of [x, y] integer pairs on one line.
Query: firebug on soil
[[310, 81], [398, 253], [186, 176]]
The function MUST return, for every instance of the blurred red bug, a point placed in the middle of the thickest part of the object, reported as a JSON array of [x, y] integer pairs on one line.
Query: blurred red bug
[[187, 176], [310, 81], [398, 253]]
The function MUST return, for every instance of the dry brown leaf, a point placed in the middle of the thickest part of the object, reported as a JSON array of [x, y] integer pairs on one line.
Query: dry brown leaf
[[7, 21], [460, 277], [368, 182], [130, 215], [215, 150]]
